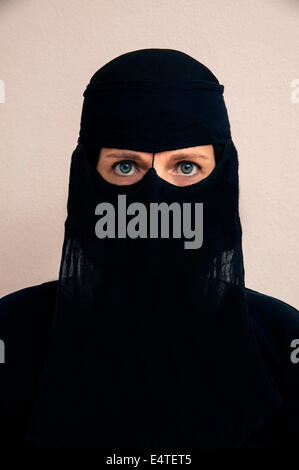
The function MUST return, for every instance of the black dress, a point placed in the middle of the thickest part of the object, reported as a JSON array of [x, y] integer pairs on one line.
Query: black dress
[[25, 319]]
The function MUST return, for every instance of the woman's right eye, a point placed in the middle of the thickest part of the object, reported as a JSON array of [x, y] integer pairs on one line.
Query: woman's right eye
[[124, 168]]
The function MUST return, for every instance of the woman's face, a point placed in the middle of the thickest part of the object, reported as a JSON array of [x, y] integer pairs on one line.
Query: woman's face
[[180, 167]]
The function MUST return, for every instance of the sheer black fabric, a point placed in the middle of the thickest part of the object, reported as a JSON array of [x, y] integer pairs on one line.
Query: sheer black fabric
[[151, 344]]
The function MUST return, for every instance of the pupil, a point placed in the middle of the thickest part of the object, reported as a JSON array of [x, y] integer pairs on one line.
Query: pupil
[[186, 167], [125, 167]]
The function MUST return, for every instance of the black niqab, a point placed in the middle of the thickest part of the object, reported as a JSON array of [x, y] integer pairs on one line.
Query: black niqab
[[151, 344]]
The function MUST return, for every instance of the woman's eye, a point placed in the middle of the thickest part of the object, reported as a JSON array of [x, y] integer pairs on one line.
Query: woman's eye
[[188, 168], [124, 168]]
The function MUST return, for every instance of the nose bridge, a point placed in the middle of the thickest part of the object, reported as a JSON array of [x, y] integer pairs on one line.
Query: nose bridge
[[157, 168], [157, 163]]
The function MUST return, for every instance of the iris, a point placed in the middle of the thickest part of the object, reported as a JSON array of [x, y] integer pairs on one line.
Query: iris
[[187, 167], [125, 167]]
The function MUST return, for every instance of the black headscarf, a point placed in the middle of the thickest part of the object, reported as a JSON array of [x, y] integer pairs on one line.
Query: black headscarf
[[151, 344]]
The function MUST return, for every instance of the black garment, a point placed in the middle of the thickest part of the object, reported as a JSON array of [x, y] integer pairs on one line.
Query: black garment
[[25, 319], [147, 329]]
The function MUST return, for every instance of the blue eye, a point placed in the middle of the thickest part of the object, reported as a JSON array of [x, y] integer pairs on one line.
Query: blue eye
[[125, 167], [187, 167]]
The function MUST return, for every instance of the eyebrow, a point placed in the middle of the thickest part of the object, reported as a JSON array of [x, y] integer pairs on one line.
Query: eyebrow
[[124, 154], [136, 156], [185, 156]]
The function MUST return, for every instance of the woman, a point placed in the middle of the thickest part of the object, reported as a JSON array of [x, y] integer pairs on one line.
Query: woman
[[150, 338]]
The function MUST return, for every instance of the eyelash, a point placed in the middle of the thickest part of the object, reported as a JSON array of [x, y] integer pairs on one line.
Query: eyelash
[[123, 161]]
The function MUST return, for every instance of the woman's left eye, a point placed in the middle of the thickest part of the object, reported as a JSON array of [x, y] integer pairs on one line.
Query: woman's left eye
[[188, 168]]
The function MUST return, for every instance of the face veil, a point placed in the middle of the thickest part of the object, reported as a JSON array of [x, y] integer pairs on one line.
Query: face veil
[[151, 343]]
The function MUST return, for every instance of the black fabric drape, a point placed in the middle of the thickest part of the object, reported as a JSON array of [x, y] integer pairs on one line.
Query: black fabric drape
[[151, 344]]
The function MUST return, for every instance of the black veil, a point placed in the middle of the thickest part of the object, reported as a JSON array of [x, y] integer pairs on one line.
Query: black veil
[[152, 345]]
